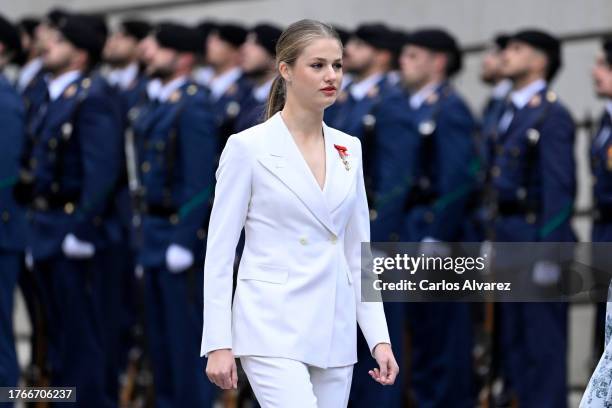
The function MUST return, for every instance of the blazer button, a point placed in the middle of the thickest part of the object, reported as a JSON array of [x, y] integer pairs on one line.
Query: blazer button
[[333, 239], [5, 216], [303, 241]]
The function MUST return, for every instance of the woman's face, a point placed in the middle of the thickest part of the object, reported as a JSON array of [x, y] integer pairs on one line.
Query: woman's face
[[315, 77]]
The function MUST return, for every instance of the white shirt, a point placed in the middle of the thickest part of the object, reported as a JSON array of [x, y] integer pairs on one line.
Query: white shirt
[[28, 72], [203, 75], [604, 134], [519, 99], [417, 99], [153, 88], [261, 92], [123, 77], [347, 79], [502, 89], [167, 89], [220, 84], [59, 84], [360, 89]]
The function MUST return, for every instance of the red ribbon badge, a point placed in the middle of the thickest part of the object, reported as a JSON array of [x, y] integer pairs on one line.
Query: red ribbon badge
[[341, 150]]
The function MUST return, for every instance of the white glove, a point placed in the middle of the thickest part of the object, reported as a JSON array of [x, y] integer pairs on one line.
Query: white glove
[[76, 249], [178, 258], [432, 247], [487, 252], [29, 259], [546, 273]]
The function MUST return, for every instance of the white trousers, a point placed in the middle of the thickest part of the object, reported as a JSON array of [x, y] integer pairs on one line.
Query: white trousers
[[282, 382]]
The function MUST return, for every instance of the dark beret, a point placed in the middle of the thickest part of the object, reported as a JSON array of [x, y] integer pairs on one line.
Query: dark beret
[[9, 35], [436, 39], [544, 42], [377, 35], [267, 36], [98, 23], [231, 33], [178, 37], [55, 15], [28, 25], [79, 31], [501, 41], [138, 29], [607, 49], [343, 33]]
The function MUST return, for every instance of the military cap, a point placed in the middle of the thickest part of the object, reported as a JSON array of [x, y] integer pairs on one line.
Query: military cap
[[79, 31], [607, 48], [377, 35], [544, 42], [55, 15], [267, 35], [231, 33], [501, 40], [439, 40], [9, 35], [138, 29], [28, 25], [343, 33], [178, 37]]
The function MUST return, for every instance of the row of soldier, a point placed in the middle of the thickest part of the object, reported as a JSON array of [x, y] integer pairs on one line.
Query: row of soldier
[[109, 168]]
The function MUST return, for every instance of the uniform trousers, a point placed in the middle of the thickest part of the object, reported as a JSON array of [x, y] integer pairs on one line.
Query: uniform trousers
[[282, 382]]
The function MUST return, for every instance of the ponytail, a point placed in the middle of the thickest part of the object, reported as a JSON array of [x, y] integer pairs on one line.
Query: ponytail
[[276, 98]]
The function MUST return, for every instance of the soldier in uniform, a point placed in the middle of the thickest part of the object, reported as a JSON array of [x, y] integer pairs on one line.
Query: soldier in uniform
[[491, 75], [31, 82], [121, 54], [601, 168], [444, 181], [68, 180], [177, 165], [375, 112], [12, 222], [203, 73], [228, 86], [533, 181], [258, 65]]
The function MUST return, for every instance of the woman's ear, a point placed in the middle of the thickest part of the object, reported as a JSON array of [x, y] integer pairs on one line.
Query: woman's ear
[[285, 70]]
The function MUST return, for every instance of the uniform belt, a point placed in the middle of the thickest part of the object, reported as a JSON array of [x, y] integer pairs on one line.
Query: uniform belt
[[509, 208], [420, 197], [55, 202], [603, 214], [162, 211]]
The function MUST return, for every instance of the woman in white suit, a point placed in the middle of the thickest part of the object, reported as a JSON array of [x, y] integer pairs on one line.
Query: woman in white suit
[[296, 186]]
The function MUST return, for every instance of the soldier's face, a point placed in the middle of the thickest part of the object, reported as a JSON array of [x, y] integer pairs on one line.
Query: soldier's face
[[59, 54], [254, 58], [146, 51], [358, 56], [218, 52], [491, 67], [602, 76], [417, 65], [163, 63], [316, 75], [41, 37], [120, 49], [520, 59]]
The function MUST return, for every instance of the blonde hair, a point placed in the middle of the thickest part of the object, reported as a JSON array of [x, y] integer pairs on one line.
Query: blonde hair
[[289, 46]]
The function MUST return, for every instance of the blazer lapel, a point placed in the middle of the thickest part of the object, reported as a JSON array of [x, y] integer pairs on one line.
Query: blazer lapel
[[339, 178], [286, 162]]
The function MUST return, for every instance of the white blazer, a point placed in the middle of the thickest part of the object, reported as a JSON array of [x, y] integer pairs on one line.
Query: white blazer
[[299, 280]]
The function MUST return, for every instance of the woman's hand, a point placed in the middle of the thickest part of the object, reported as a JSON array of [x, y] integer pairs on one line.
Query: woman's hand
[[221, 369], [388, 366]]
